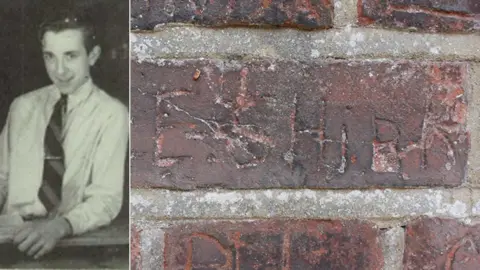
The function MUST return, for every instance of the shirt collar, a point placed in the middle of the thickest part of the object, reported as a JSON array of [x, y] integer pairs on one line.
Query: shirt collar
[[78, 96]]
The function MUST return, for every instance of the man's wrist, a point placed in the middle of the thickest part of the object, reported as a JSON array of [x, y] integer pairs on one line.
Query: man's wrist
[[66, 227]]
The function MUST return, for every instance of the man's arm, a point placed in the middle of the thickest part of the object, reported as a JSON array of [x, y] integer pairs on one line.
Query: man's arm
[[3, 166], [104, 195], [4, 162]]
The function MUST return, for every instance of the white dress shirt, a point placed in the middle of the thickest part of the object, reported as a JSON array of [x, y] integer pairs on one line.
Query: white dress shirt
[[95, 146]]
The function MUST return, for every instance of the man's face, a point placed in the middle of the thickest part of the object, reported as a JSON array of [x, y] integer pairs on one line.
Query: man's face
[[66, 59]]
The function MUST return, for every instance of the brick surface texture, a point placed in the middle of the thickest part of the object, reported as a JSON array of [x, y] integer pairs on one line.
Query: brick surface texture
[[430, 15], [337, 124], [305, 14], [135, 249], [353, 122], [442, 244], [274, 245]]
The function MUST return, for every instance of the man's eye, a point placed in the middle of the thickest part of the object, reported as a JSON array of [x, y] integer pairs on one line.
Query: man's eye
[[71, 56], [47, 57]]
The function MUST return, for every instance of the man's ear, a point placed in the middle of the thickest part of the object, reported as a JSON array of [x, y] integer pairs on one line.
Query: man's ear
[[94, 55]]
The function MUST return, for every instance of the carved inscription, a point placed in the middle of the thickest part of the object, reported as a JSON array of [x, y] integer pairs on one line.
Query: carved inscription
[[341, 124], [247, 145], [430, 15], [463, 255], [442, 244], [273, 245], [440, 129]]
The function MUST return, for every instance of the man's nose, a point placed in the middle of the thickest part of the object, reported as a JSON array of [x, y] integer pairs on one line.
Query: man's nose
[[60, 68]]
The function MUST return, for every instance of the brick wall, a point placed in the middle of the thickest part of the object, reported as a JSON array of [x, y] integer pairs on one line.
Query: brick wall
[[309, 134]]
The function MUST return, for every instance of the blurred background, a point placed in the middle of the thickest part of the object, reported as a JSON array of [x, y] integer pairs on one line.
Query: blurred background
[[22, 68]]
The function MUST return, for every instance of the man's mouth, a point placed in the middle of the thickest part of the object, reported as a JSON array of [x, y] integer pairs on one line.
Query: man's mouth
[[64, 81]]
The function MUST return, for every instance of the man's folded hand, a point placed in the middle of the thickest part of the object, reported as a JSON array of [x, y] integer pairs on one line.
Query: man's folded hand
[[8, 227], [37, 238]]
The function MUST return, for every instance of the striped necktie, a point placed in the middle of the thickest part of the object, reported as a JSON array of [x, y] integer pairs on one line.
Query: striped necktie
[[51, 191]]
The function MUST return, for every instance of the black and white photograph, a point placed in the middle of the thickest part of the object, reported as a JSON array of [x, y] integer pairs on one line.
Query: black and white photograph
[[64, 141]]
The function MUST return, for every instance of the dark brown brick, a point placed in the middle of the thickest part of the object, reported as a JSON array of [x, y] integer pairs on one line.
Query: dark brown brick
[[442, 244], [143, 115], [261, 124], [424, 15], [295, 245], [304, 14]]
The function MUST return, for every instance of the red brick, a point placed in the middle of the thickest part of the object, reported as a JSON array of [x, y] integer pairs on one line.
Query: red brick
[[305, 14], [135, 248], [425, 15], [337, 124], [291, 245], [442, 244]]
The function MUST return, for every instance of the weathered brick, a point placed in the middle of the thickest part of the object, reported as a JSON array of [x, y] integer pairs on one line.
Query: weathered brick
[[135, 248], [273, 245], [338, 124], [425, 15], [442, 244], [306, 14], [142, 118]]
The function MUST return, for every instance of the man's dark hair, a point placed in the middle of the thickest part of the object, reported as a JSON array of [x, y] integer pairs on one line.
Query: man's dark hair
[[67, 21]]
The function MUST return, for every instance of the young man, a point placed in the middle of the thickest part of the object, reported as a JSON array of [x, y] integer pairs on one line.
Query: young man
[[63, 148]]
